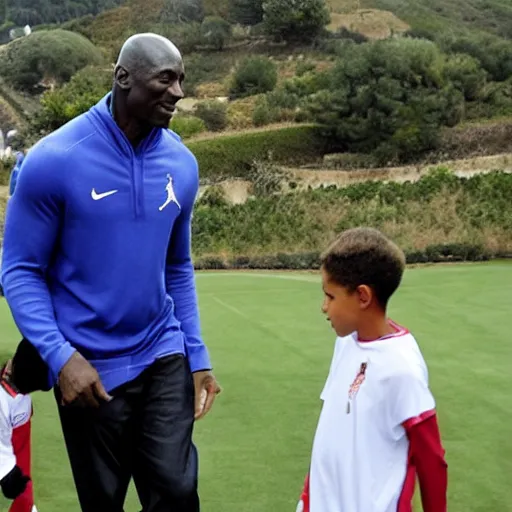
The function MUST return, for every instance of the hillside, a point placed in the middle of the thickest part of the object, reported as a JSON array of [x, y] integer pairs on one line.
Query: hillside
[[479, 69], [434, 16]]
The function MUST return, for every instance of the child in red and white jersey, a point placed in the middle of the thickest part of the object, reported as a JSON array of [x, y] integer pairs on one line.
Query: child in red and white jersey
[[23, 374], [378, 429]]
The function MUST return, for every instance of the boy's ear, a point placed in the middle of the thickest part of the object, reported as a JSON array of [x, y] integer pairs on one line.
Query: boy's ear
[[366, 296]]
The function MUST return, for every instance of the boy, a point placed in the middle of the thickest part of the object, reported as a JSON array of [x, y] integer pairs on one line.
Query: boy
[[25, 373], [378, 429]]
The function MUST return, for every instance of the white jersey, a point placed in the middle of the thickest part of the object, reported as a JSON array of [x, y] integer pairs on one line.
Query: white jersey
[[360, 451], [15, 411]]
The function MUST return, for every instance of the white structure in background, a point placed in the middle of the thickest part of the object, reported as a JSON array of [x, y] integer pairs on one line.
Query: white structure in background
[[5, 149], [16, 33]]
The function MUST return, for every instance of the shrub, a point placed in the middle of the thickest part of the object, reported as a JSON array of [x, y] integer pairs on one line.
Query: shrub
[[187, 126], [440, 253], [6, 165], [348, 161], [213, 114], [233, 155], [301, 20], [246, 12], [216, 32], [182, 11], [304, 67], [51, 56], [254, 75], [61, 105], [439, 218], [262, 114]]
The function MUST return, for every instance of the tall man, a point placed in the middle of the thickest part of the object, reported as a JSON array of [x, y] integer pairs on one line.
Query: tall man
[[98, 275]]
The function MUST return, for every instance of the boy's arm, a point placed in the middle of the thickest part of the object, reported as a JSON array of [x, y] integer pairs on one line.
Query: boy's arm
[[180, 283], [34, 216], [427, 454], [303, 505], [412, 407], [12, 481]]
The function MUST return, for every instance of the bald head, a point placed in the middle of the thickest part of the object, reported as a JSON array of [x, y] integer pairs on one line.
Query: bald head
[[147, 52], [148, 77]]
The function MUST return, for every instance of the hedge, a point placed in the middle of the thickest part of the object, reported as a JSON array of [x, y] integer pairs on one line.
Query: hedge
[[233, 155], [438, 253]]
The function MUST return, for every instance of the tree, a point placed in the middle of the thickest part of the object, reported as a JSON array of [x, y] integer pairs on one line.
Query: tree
[[3, 11], [215, 32], [246, 12], [295, 20], [182, 11], [32, 12], [46, 57], [391, 98], [77, 96], [255, 75]]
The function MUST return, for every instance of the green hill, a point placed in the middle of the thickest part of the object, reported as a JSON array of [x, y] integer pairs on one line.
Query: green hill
[[434, 16]]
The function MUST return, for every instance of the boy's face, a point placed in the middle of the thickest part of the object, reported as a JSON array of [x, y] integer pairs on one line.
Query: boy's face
[[341, 306]]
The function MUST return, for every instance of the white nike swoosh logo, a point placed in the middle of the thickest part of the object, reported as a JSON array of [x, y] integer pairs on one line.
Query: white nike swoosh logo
[[97, 196]]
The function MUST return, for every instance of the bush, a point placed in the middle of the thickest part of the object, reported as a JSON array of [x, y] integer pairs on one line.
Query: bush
[[262, 114], [391, 98], [246, 12], [182, 11], [61, 105], [301, 20], [255, 75], [233, 155], [441, 253], [213, 114], [304, 67], [439, 218], [216, 32], [349, 161], [50, 56], [6, 165], [187, 126]]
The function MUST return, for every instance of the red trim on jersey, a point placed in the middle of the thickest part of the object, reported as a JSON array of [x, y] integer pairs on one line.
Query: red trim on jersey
[[426, 459], [22, 451], [411, 422], [407, 494], [10, 390], [304, 497], [399, 331]]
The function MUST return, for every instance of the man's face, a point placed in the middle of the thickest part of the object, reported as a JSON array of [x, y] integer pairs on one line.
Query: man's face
[[155, 91]]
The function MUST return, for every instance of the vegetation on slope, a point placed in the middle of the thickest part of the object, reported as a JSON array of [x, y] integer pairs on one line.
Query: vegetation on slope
[[471, 218]]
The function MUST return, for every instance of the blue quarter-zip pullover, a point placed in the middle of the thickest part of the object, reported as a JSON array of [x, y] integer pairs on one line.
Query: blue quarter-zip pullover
[[97, 253]]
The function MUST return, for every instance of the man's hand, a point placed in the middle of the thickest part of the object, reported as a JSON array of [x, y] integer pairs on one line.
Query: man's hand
[[206, 389], [79, 382]]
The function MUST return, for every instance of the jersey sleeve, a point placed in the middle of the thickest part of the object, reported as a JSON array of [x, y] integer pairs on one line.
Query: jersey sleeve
[[410, 400], [7, 457]]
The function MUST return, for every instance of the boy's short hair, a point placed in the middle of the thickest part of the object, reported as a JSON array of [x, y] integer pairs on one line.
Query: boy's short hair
[[364, 256]]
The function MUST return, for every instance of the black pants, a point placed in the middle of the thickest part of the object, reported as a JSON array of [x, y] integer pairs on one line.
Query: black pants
[[145, 432]]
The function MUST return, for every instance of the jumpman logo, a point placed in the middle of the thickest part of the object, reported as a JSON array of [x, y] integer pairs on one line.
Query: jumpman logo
[[171, 196]]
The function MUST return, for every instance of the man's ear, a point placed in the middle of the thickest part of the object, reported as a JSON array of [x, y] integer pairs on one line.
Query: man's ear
[[122, 78]]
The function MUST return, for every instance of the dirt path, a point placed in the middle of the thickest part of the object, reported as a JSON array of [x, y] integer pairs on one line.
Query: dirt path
[[238, 191], [462, 168]]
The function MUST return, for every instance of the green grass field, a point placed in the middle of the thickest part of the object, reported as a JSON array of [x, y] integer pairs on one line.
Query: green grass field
[[271, 350]]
